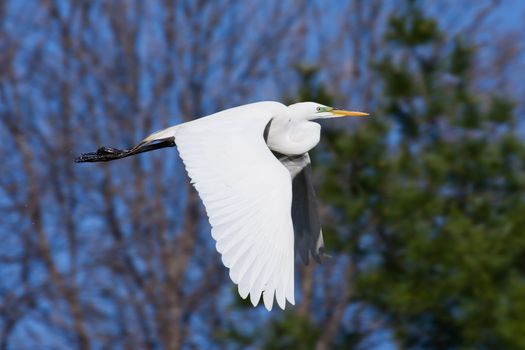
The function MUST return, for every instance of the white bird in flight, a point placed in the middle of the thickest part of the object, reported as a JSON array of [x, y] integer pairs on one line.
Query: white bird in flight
[[251, 168]]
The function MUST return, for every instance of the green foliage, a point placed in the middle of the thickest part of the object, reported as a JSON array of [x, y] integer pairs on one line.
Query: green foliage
[[413, 29], [460, 59], [435, 182], [293, 332], [310, 89], [290, 331]]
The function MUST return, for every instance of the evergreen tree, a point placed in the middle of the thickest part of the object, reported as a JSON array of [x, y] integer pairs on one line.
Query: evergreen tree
[[428, 195]]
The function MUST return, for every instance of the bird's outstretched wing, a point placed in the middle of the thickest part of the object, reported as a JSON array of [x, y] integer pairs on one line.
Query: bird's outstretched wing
[[247, 194], [307, 229]]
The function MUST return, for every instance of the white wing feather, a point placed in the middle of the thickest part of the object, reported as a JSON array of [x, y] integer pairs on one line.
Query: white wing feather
[[247, 194]]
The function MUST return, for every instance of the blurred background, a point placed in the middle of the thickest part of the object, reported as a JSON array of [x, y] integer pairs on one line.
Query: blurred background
[[423, 205]]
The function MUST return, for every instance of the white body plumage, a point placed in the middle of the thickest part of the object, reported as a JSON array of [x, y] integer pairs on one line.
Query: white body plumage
[[260, 204]]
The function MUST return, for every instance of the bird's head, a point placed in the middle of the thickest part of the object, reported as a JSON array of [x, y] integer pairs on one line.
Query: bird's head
[[313, 110]]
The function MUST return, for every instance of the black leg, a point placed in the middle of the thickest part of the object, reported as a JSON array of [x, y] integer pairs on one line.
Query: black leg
[[105, 154]]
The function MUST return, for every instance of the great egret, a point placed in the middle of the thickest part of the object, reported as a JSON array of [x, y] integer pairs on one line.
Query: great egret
[[251, 168]]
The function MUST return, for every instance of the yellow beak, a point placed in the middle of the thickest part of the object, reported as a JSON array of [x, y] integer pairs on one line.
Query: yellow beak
[[343, 113]]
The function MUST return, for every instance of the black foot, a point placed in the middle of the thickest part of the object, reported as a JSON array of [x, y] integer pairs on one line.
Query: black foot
[[103, 154]]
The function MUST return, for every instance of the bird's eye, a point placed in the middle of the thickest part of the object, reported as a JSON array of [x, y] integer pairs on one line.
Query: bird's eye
[[319, 109]]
